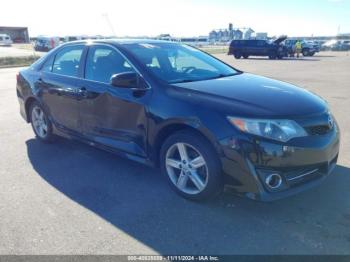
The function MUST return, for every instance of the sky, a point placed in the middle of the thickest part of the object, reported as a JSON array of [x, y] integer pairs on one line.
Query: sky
[[176, 17]]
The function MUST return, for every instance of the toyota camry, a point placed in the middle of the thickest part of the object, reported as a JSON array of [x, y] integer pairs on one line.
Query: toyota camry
[[205, 124]]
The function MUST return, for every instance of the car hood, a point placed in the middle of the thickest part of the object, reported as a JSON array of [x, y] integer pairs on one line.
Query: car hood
[[280, 39], [254, 96]]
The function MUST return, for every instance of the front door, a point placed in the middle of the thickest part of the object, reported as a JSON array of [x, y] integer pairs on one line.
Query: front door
[[110, 115]]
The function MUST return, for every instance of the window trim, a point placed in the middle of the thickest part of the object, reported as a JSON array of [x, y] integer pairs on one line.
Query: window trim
[[54, 54], [94, 44], [81, 58], [46, 61]]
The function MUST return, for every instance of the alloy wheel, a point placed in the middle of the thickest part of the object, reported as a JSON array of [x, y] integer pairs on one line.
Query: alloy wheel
[[39, 122], [186, 168]]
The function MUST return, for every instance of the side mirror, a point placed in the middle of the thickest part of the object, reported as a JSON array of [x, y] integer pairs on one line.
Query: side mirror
[[126, 80]]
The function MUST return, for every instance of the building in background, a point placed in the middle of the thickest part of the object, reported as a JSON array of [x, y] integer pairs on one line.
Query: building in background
[[229, 34], [17, 34], [260, 35], [248, 33]]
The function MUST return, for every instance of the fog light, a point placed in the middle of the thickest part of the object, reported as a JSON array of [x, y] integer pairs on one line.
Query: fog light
[[273, 181]]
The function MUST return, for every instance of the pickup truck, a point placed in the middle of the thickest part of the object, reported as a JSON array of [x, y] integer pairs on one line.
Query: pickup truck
[[254, 47]]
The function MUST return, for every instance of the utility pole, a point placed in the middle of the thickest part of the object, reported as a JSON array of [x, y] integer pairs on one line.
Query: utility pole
[[105, 15]]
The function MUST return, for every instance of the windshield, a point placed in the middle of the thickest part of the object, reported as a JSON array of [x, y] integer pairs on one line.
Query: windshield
[[175, 63]]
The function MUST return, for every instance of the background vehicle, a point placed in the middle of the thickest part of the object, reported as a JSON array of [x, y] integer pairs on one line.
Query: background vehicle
[[5, 40], [328, 45], [245, 48], [308, 47], [46, 43], [341, 45], [204, 123]]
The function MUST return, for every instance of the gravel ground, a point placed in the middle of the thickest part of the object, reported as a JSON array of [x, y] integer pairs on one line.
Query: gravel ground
[[13, 51]]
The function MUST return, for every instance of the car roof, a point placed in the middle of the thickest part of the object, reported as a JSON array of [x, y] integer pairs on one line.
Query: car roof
[[249, 40], [120, 41]]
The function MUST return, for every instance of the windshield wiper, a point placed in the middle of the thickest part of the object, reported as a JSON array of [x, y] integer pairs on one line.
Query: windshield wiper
[[225, 75], [176, 81], [220, 76]]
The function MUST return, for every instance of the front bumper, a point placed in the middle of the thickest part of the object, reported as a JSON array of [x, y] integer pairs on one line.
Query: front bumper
[[302, 164], [41, 48]]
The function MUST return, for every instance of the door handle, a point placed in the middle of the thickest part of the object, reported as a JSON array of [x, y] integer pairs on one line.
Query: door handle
[[82, 91]]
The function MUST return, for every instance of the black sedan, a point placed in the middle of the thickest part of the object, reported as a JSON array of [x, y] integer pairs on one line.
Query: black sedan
[[204, 123]]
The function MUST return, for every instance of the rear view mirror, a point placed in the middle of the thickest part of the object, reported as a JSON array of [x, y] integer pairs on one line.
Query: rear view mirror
[[126, 80]]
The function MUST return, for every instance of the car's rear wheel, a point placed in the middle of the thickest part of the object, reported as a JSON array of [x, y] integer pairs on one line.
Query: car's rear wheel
[[237, 55], [41, 124], [191, 165], [272, 56], [245, 56], [305, 52]]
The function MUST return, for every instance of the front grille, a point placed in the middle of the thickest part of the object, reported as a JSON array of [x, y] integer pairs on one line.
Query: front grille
[[318, 130]]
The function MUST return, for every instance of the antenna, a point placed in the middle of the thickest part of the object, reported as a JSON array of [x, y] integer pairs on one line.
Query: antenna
[[105, 15]]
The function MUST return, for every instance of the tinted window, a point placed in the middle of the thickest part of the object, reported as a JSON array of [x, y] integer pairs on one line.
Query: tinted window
[[67, 61], [47, 67], [103, 62], [180, 60], [261, 43], [176, 63]]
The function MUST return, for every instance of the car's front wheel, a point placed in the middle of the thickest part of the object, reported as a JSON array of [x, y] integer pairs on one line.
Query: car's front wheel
[[237, 55], [272, 56], [191, 165], [305, 53], [41, 124]]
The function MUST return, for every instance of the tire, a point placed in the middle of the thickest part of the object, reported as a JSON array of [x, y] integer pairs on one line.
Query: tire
[[272, 56], [197, 183], [245, 56], [237, 55], [41, 124], [305, 53], [312, 54]]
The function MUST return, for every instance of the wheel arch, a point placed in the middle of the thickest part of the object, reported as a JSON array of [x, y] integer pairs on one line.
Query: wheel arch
[[27, 106], [172, 128]]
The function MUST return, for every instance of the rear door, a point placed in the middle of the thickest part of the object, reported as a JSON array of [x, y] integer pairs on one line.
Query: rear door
[[58, 86], [109, 115], [261, 47], [254, 49]]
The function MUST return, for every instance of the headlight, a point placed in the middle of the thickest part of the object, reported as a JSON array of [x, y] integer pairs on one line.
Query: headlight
[[280, 130]]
